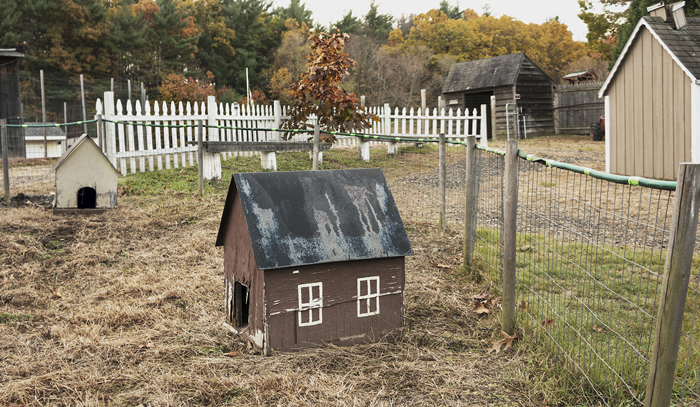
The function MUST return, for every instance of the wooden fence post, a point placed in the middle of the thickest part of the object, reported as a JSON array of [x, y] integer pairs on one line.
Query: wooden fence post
[[317, 137], [277, 121], [200, 155], [5, 160], [493, 118], [442, 221], [484, 141], [510, 215], [110, 134], [211, 162], [674, 288], [470, 202]]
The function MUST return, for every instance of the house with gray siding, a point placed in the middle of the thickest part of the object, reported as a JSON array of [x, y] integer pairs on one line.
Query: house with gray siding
[[652, 97]]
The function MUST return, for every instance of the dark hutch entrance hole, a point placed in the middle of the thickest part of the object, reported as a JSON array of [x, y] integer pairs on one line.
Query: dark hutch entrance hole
[[240, 306], [87, 198]]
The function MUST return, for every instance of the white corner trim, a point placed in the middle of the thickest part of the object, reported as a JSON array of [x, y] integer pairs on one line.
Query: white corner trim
[[630, 40], [695, 122], [608, 133]]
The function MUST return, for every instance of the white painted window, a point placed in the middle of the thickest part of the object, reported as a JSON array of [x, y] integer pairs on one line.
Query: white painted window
[[367, 296], [310, 304]]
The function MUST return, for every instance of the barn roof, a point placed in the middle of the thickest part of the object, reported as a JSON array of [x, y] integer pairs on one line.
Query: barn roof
[[84, 139], [486, 73], [308, 217], [683, 45], [12, 52], [30, 131]]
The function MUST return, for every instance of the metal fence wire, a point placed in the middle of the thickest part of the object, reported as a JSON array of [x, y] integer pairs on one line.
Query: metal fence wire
[[590, 258]]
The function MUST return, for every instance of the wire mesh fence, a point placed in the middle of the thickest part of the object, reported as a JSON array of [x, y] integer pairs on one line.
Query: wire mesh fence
[[590, 257]]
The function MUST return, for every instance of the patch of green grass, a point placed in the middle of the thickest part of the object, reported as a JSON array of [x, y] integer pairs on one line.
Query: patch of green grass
[[593, 306], [5, 317]]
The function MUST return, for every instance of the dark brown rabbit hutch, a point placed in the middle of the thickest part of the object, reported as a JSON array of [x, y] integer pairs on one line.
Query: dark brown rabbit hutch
[[313, 257]]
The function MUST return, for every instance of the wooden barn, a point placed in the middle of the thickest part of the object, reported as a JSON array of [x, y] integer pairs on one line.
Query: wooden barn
[[512, 78], [85, 179], [652, 97], [313, 257], [10, 104]]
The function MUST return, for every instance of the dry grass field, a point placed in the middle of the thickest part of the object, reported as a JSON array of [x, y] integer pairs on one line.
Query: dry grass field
[[126, 308]]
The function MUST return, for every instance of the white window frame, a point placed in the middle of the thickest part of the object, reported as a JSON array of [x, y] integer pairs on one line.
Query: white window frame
[[306, 308], [365, 301]]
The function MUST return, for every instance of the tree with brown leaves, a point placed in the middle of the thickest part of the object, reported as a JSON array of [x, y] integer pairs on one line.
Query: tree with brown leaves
[[317, 92]]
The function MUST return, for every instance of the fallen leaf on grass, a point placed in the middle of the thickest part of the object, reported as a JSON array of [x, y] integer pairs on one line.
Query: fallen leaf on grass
[[231, 354], [524, 306], [481, 309], [597, 328], [56, 292], [481, 297], [507, 340], [547, 322]]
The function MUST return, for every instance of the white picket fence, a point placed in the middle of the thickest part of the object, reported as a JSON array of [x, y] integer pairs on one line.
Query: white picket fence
[[133, 147]]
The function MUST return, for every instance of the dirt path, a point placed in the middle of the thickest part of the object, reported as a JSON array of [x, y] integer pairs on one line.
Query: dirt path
[[125, 308]]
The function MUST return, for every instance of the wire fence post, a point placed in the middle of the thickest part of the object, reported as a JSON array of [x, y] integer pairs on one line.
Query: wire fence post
[[510, 214], [469, 202], [442, 223], [674, 288], [200, 155], [317, 136], [5, 160]]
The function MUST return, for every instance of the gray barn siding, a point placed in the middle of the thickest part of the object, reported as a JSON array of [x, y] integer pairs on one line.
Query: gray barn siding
[[650, 109]]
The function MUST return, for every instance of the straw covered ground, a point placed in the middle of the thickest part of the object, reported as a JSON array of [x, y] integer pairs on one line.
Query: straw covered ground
[[126, 308]]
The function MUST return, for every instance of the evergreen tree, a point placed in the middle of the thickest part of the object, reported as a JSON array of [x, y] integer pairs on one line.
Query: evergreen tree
[[255, 38], [452, 12], [174, 38], [377, 26], [349, 24], [126, 41], [296, 10]]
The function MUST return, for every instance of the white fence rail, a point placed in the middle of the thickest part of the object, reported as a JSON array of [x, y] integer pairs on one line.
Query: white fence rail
[[144, 138]]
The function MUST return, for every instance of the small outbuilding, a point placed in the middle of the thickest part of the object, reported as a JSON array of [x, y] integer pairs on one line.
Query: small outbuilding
[[34, 140], [511, 79], [313, 257], [85, 179], [652, 97]]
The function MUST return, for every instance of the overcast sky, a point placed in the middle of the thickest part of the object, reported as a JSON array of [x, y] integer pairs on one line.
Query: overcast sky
[[528, 11]]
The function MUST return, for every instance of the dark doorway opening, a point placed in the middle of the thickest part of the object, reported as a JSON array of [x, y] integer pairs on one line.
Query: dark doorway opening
[[474, 101], [240, 307], [87, 198]]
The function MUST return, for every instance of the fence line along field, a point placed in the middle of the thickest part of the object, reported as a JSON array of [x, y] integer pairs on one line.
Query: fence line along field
[[125, 308]]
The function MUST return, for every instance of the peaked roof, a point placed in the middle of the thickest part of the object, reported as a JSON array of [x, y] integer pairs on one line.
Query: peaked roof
[[39, 131], [83, 139], [486, 73], [308, 217], [683, 45]]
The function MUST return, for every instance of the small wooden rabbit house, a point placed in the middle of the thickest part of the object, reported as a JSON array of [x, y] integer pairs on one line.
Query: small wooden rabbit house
[[313, 257], [85, 179]]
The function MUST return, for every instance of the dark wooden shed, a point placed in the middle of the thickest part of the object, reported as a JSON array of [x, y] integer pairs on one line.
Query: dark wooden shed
[[512, 78], [313, 257], [10, 104]]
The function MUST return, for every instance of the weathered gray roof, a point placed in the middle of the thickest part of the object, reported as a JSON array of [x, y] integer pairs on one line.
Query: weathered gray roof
[[308, 217], [39, 131], [484, 73], [12, 52], [683, 45]]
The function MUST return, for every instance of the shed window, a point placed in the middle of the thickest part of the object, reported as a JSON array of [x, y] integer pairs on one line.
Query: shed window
[[310, 304], [367, 296]]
